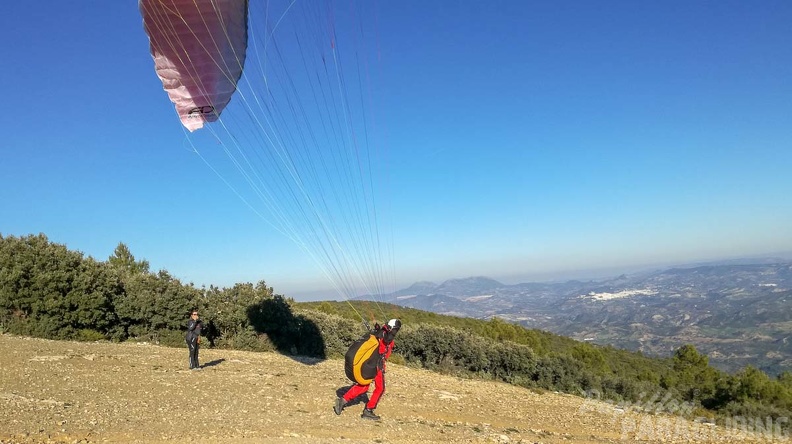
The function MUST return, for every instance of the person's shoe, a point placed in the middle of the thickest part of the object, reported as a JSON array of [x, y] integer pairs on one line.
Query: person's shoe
[[369, 414], [339, 405]]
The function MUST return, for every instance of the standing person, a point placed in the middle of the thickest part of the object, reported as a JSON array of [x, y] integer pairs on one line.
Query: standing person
[[385, 336], [193, 338]]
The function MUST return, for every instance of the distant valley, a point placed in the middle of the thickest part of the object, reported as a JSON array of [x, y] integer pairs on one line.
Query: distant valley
[[737, 313]]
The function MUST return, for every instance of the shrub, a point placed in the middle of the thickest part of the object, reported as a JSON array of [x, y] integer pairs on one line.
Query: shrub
[[246, 340], [168, 338], [336, 333], [89, 335]]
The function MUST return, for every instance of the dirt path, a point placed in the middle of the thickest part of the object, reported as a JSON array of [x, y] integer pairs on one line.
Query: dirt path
[[56, 391]]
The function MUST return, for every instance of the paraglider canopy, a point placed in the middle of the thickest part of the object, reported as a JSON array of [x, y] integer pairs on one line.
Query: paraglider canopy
[[199, 53], [297, 140]]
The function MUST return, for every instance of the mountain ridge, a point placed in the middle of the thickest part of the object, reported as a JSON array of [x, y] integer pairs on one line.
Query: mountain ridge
[[721, 308]]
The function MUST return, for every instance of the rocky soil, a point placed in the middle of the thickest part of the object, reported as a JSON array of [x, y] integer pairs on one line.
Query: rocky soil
[[58, 391]]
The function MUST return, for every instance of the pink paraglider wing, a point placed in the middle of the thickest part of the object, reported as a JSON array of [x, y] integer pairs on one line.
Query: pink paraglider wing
[[198, 48]]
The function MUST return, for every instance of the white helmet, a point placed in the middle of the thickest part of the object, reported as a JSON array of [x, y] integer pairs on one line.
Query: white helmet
[[394, 325]]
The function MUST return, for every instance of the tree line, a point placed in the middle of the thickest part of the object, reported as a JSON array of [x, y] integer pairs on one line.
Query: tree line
[[49, 291]]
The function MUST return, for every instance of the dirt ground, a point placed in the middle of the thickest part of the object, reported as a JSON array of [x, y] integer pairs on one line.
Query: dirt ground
[[59, 391]]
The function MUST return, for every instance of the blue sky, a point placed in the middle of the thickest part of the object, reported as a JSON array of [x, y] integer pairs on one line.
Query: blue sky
[[526, 141]]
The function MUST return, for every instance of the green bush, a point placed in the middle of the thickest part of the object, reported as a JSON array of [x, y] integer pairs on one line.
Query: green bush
[[168, 338], [398, 359], [336, 333], [89, 335], [248, 340]]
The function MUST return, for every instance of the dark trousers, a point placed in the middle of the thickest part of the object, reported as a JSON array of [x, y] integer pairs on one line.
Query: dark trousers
[[193, 347]]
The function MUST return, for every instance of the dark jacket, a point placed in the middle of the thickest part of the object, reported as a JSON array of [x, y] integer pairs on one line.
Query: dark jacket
[[193, 330]]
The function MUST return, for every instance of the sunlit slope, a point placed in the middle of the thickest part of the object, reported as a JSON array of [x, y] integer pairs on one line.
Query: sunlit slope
[[62, 391]]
